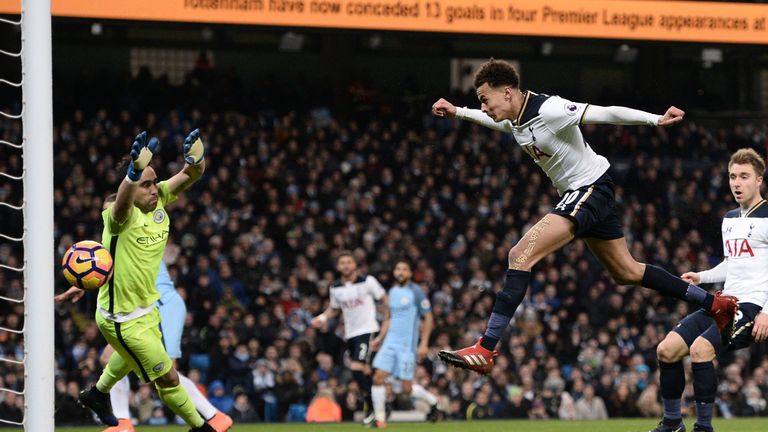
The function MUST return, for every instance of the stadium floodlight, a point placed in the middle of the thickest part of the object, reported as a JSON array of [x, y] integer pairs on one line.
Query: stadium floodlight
[[709, 56], [291, 42], [625, 54]]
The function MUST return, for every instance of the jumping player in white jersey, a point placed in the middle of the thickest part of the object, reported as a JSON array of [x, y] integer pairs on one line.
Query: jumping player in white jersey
[[356, 296], [173, 313], [400, 349], [547, 128], [745, 273]]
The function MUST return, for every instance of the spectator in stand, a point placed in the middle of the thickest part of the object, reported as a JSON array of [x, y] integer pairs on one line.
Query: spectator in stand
[[590, 406]]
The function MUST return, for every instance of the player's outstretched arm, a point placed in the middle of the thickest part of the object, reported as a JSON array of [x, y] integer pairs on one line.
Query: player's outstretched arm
[[443, 108], [141, 155], [73, 294], [714, 275], [194, 156], [619, 115]]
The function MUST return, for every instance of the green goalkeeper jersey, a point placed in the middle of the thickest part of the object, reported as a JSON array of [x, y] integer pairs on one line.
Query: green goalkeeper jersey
[[137, 248]]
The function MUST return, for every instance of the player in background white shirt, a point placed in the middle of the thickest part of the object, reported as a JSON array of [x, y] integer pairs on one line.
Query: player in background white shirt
[[547, 128], [356, 296], [745, 273]]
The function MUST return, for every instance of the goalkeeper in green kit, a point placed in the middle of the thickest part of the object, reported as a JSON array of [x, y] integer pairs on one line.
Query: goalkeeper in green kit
[[136, 230]]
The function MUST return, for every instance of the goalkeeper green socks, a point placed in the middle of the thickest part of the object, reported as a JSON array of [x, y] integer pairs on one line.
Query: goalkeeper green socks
[[177, 399]]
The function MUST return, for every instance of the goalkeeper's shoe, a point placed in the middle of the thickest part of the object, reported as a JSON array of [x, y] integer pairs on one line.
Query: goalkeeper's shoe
[[699, 428], [475, 358], [664, 427], [723, 310], [100, 404], [204, 428], [124, 425]]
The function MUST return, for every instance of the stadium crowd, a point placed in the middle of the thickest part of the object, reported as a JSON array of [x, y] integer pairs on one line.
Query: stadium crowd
[[253, 244]]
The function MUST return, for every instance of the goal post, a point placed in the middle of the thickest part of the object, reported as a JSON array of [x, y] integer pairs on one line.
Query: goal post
[[37, 123]]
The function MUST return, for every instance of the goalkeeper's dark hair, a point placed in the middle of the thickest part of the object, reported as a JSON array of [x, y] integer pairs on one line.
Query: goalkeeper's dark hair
[[497, 73]]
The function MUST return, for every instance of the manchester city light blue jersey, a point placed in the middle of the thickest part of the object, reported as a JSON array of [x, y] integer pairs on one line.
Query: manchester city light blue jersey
[[164, 284], [407, 304]]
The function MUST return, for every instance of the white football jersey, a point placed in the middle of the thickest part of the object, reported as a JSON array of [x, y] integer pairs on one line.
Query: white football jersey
[[547, 128], [745, 246], [357, 301]]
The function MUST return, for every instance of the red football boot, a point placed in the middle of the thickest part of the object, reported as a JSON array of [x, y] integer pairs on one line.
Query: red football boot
[[723, 310], [475, 358]]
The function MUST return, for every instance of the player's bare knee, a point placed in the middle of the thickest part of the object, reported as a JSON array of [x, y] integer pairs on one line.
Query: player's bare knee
[[379, 377], [518, 258], [669, 352], [407, 387], [702, 351]]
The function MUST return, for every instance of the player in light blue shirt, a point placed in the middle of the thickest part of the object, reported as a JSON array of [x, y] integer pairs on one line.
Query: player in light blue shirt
[[173, 312], [407, 306]]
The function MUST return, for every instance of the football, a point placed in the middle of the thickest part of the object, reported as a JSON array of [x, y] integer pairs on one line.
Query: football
[[87, 265]]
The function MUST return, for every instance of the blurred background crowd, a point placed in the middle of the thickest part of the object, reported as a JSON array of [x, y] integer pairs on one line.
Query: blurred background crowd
[[253, 248]]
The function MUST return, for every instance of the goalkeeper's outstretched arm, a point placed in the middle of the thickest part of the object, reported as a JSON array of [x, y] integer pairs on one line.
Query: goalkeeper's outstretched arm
[[141, 155], [194, 158]]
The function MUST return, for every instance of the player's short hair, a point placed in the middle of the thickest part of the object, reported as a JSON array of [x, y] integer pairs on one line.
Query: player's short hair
[[345, 253], [404, 261], [749, 156], [496, 73]]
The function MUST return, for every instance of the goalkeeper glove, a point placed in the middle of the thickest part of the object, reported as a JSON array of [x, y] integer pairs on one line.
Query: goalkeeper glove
[[194, 151], [141, 155]]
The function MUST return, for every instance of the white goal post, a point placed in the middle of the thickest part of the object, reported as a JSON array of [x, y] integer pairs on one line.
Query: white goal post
[[37, 121]]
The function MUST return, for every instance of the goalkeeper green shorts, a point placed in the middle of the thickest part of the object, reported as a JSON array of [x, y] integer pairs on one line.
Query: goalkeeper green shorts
[[140, 343]]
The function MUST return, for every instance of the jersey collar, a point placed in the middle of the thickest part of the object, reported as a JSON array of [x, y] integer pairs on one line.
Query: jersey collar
[[522, 109]]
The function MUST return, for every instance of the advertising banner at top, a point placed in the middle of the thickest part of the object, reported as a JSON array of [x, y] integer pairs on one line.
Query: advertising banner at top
[[686, 21]]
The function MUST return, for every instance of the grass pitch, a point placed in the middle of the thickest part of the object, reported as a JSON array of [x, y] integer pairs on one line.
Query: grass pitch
[[620, 425]]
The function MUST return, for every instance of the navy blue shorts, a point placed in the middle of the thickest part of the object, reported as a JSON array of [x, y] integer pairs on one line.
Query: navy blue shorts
[[360, 348], [593, 209], [701, 324]]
